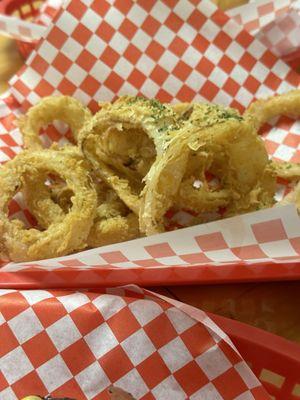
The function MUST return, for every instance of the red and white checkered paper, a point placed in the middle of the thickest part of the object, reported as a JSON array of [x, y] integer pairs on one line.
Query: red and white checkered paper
[[175, 51], [21, 30], [48, 10], [275, 23], [77, 344], [30, 32]]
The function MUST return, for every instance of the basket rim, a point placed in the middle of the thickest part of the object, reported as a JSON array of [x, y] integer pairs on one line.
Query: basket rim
[[285, 353], [6, 3]]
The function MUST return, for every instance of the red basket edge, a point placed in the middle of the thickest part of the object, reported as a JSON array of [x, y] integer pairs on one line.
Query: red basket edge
[[279, 354]]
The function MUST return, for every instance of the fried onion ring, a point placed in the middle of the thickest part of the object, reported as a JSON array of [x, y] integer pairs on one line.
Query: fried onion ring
[[290, 172], [214, 140], [63, 108], [62, 237], [136, 159], [183, 110], [113, 221], [122, 141], [286, 170], [261, 111], [292, 198]]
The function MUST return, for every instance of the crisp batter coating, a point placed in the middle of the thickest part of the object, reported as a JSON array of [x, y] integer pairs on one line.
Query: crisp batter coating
[[123, 140], [113, 221], [286, 170], [62, 237], [134, 160], [63, 108], [292, 198], [261, 111], [214, 140]]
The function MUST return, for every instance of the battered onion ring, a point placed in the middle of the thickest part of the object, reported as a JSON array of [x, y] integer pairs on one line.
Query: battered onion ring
[[292, 198], [286, 170], [290, 172], [183, 110], [62, 237], [38, 199], [63, 108], [122, 141], [241, 187], [113, 222], [222, 135], [261, 111], [42, 199]]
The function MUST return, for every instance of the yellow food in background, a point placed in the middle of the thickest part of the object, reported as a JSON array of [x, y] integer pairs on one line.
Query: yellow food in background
[[10, 61], [31, 398], [227, 4]]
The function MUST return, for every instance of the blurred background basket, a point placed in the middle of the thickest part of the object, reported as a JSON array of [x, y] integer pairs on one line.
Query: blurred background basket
[[23, 9]]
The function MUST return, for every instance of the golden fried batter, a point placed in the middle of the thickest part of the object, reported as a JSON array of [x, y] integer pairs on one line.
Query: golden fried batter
[[135, 159], [122, 141], [63, 108], [62, 237]]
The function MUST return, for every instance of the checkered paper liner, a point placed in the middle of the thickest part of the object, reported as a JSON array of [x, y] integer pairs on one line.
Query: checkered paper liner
[[275, 23], [30, 32], [255, 15], [77, 344], [186, 52], [21, 30], [181, 51], [48, 10], [261, 243]]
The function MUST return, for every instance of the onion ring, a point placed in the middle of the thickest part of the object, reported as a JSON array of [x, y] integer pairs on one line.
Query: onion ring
[[290, 172], [62, 237], [218, 139], [261, 111], [286, 170], [293, 197], [183, 110], [122, 141], [141, 158], [227, 139], [64, 108], [113, 221]]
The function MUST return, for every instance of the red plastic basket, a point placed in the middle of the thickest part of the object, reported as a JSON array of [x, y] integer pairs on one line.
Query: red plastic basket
[[293, 59], [274, 360], [24, 9]]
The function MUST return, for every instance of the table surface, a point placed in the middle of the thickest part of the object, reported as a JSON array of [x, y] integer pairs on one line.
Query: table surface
[[271, 306]]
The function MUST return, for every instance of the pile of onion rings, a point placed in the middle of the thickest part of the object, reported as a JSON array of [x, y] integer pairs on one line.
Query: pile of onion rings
[[130, 163]]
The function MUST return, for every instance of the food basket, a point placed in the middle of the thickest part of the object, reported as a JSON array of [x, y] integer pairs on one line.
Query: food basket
[[274, 360], [23, 9]]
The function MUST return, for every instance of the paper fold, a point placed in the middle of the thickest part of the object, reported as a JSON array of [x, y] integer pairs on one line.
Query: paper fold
[[90, 340]]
